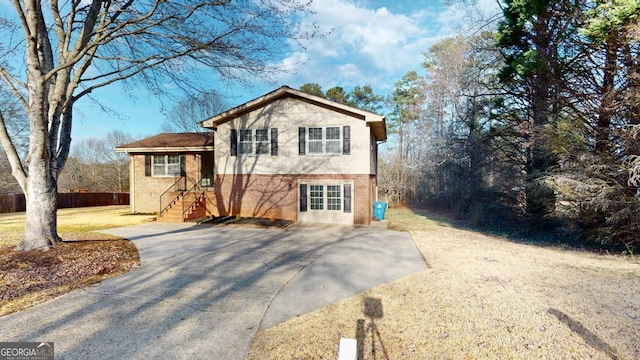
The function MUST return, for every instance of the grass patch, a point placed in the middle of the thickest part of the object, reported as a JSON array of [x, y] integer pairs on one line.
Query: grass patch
[[406, 219], [483, 298], [73, 223]]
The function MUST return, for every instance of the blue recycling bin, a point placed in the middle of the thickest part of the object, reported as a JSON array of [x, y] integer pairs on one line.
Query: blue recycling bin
[[379, 209]]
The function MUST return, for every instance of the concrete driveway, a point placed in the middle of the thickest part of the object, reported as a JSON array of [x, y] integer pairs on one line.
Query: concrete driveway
[[202, 292]]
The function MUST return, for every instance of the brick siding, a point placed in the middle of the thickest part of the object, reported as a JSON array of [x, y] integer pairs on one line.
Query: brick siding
[[276, 196], [146, 190], [265, 196]]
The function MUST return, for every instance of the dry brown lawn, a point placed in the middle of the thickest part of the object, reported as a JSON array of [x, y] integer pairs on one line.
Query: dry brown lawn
[[85, 257], [483, 297], [73, 223]]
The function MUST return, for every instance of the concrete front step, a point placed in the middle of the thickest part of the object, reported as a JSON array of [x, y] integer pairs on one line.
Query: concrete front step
[[174, 213]]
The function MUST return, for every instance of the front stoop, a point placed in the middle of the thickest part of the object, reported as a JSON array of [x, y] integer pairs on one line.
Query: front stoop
[[379, 224], [174, 212]]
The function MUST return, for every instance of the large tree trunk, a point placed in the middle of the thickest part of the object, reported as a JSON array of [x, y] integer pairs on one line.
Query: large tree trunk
[[632, 64], [41, 193], [607, 104], [40, 231], [540, 198]]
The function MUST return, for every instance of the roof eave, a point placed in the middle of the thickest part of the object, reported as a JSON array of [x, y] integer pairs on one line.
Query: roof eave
[[215, 121], [379, 128], [165, 149]]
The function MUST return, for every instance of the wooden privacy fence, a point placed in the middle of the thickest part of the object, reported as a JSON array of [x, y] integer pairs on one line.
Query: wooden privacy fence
[[10, 203]]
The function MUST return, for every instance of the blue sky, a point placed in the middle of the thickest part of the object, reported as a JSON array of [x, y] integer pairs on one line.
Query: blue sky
[[372, 42]]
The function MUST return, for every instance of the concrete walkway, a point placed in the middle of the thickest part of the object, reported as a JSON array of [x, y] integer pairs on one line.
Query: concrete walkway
[[202, 292]]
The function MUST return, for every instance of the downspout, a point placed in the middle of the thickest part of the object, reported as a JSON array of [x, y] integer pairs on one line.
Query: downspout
[[213, 162], [132, 183]]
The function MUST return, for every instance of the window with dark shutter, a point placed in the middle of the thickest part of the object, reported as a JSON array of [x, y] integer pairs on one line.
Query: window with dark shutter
[[303, 197], [234, 142], [274, 142], [346, 140], [301, 141], [183, 160], [347, 198], [261, 142], [147, 165]]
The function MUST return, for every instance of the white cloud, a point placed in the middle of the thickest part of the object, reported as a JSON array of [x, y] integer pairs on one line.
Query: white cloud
[[372, 34], [350, 72], [366, 45], [295, 61]]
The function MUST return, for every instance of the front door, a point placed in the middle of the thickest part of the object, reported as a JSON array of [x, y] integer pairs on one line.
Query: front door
[[206, 169]]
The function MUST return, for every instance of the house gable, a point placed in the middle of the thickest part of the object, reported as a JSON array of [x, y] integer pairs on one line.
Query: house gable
[[293, 120], [375, 121]]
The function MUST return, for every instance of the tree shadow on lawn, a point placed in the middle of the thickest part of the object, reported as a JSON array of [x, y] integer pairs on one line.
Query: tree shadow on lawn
[[589, 337]]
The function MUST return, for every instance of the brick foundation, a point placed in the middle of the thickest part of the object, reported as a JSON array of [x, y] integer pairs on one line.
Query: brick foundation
[[276, 196]]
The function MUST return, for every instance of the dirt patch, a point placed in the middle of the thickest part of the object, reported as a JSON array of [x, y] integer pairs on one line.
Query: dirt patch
[[86, 257], [31, 277], [483, 297], [250, 221]]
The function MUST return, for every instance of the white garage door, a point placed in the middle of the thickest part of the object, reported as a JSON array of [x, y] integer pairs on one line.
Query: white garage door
[[325, 201]]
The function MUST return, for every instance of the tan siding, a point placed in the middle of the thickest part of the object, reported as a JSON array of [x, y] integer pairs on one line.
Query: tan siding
[[288, 115], [373, 161]]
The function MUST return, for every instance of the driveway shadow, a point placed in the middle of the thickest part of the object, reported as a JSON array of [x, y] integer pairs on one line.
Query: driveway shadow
[[202, 292]]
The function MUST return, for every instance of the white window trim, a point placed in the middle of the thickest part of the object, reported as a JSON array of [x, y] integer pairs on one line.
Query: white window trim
[[324, 140], [166, 164], [240, 142], [266, 142], [309, 189], [340, 198], [254, 143], [325, 197]]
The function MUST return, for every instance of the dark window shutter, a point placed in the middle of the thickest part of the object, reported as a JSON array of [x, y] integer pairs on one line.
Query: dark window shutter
[[183, 160], [302, 144], [234, 142], [347, 198], [303, 197], [274, 142], [346, 140], [147, 165]]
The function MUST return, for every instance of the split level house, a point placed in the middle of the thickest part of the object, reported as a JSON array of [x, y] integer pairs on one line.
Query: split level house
[[285, 155]]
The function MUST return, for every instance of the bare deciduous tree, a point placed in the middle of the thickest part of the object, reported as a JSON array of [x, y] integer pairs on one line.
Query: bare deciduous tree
[[94, 165], [117, 164], [12, 115], [190, 110], [73, 48]]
